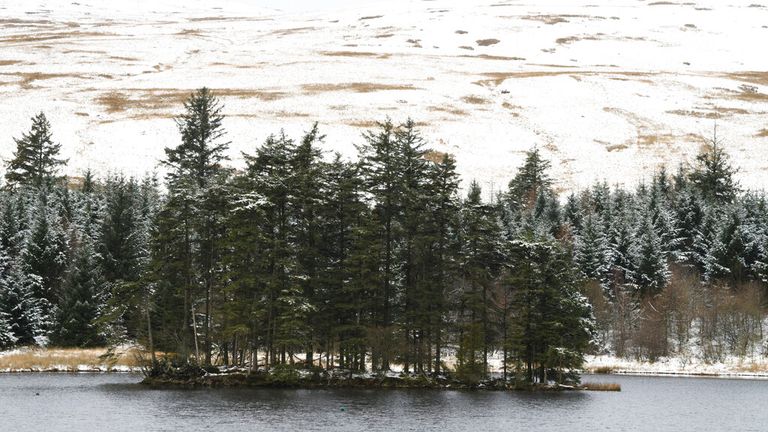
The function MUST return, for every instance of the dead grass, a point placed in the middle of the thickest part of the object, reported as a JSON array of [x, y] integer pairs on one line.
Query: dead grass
[[47, 36], [230, 18], [449, 110], [27, 78], [190, 32], [496, 78], [290, 31], [355, 87], [156, 99], [696, 114], [762, 133], [68, 359], [434, 156], [474, 100], [546, 19], [9, 62], [662, 3], [355, 54], [121, 58], [371, 17], [492, 57], [467, 47], [601, 386], [487, 42], [363, 124], [25, 22], [602, 370]]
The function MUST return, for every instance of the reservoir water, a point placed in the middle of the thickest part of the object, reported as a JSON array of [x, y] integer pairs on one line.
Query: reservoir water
[[115, 402]]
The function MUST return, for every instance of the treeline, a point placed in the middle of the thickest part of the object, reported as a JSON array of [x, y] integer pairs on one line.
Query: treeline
[[302, 258]]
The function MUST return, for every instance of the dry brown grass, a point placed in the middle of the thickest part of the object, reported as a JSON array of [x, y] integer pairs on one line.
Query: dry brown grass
[[449, 110], [753, 367], [355, 87], [467, 47], [123, 58], [602, 370], [190, 32], [601, 386], [290, 31], [762, 133], [25, 22], [487, 42], [355, 54], [546, 19], [47, 36], [27, 78], [156, 99], [492, 57], [67, 359], [231, 18], [371, 17], [9, 62], [363, 124], [662, 3], [435, 156], [696, 114], [474, 100]]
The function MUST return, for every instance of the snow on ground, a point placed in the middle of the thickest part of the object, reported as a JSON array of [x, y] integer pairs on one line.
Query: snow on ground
[[731, 367], [608, 89]]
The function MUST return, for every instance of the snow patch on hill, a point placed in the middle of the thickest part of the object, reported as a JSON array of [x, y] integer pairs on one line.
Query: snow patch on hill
[[608, 89]]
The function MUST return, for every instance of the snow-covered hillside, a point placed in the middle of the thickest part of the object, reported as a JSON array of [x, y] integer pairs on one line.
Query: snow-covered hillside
[[609, 89]]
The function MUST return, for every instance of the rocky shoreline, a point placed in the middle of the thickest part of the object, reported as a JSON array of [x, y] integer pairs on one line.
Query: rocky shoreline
[[316, 379]]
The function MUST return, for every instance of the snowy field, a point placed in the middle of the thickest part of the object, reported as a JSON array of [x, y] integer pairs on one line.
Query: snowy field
[[608, 89]]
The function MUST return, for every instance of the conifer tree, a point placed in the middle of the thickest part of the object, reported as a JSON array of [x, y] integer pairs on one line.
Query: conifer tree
[[553, 325], [35, 162], [81, 302], [713, 174]]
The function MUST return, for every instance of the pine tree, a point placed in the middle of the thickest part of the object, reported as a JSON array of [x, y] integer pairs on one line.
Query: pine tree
[[45, 254], [35, 162], [480, 261], [194, 181], [81, 302], [652, 272], [530, 181], [713, 174], [25, 313], [379, 161], [553, 325], [590, 250]]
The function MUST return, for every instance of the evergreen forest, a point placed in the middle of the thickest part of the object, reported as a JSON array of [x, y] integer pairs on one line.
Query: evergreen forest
[[308, 259]]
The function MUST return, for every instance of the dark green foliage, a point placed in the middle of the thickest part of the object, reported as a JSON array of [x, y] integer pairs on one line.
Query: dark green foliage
[[552, 325], [35, 162], [80, 302], [306, 260], [713, 174]]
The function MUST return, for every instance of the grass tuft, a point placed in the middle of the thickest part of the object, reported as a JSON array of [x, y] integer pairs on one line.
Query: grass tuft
[[68, 359], [601, 386]]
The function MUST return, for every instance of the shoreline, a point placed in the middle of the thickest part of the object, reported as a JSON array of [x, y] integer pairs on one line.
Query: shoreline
[[732, 367]]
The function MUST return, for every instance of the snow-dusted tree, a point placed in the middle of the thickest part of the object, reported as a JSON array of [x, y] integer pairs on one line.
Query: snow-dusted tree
[[75, 323], [713, 174], [7, 339], [590, 249], [45, 252], [530, 180], [35, 161], [652, 271], [25, 314]]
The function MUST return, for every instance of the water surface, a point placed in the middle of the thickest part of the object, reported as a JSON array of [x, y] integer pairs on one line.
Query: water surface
[[93, 402]]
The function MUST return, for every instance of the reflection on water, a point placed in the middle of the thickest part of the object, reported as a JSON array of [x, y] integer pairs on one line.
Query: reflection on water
[[85, 402]]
